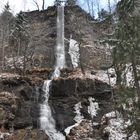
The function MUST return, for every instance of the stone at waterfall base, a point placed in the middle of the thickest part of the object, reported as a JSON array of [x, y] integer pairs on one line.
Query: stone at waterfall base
[[84, 131]]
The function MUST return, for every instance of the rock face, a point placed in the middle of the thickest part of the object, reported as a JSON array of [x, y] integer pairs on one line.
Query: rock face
[[42, 26], [20, 98], [17, 99], [66, 87], [66, 92], [78, 25], [84, 131]]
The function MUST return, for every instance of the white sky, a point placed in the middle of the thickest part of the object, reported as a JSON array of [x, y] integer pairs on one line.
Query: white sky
[[24, 5]]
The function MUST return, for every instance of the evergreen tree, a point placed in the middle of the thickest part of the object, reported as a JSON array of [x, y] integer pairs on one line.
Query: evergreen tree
[[71, 2], [126, 42], [103, 14]]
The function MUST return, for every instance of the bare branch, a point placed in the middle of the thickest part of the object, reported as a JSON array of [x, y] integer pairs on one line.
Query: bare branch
[[36, 4]]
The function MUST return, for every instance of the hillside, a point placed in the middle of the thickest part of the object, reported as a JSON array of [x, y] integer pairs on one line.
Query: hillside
[[67, 76]]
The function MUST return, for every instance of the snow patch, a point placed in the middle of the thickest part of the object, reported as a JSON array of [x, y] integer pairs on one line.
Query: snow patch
[[67, 130], [117, 126], [78, 118], [3, 135], [110, 75], [134, 136], [93, 108], [8, 75], [107, 76], [14, 61]]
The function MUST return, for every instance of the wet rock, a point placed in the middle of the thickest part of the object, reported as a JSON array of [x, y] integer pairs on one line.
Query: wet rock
[[66, 92], [83, 87], [16, 101]]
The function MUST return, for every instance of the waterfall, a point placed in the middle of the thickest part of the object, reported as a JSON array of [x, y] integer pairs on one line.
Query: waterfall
[[60, 50], [47, 123]]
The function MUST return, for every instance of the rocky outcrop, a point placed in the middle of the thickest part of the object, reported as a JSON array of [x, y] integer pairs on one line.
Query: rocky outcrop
[[16, 101], [66, 92], [78, 24], [81, 87], [20, 98], [84, 131]]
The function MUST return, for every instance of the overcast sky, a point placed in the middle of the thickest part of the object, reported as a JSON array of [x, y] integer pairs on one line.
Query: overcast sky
[[24, 5]]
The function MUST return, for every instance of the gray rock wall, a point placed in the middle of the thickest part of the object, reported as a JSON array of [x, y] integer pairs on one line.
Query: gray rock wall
[[78, 25]]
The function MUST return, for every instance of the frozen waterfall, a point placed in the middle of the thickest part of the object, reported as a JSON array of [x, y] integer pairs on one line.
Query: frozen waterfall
[[74, 52], [47, 123]]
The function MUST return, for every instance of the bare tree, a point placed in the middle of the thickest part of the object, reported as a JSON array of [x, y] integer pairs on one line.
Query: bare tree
[[93, 5], [43, 4], [109, 6], [5, 25], [37, 5]]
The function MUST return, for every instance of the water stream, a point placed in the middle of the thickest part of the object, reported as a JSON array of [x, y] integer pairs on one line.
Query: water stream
[[60, 50], [47, 122]]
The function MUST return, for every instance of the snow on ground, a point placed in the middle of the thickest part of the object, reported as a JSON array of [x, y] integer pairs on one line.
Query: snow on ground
[[78, 118], [8, 75], [93, 108], [104, 75], [18, 61], [67, 130], [3, 136], [110, 76], [117, 126], [74, 52], [134, 136]]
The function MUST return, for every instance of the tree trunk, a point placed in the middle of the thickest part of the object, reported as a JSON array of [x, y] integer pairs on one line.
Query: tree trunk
[[43, 5]]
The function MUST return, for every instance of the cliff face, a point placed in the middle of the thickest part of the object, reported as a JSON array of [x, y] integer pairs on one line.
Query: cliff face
[[76, 100], [42, 26], [20, 99], [78, 26]]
